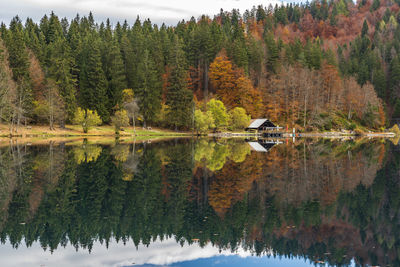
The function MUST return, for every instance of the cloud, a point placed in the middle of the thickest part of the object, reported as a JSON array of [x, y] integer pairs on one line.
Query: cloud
[[158, 11]]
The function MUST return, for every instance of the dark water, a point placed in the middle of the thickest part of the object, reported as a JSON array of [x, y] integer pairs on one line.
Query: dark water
[[200, 203]]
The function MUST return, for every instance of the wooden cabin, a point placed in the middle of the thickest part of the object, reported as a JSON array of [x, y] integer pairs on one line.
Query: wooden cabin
[[262, 125]]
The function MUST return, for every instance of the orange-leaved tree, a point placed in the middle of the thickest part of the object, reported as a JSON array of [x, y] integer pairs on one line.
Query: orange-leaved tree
[[233, 87]]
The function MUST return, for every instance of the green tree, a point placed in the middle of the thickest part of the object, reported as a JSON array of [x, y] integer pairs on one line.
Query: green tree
[[179, 98], [375, 5], [120, 119], [365, 28], [92, 81], [239, 118], [219, 113], [87, 119], [7, 89], [149, 90], [60, 66], [203, 121], [19, 63], [272, 59], [113, 67]]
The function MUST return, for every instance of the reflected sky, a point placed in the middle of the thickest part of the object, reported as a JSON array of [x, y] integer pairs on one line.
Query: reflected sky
[[158, 253]]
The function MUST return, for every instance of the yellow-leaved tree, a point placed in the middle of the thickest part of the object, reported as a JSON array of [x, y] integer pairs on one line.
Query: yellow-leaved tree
[[87, 119]]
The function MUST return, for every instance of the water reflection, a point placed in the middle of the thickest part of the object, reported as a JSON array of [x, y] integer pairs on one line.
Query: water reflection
[[322, 200]]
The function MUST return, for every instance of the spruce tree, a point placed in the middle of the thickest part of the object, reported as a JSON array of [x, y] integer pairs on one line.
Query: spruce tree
[[272, 53], [113, 68], [364, 30], [60, 66], [149, 89], [128, 57], [379, 82], [18, 55], [394, 77], [93, 83], [19, 63], [179, 99]]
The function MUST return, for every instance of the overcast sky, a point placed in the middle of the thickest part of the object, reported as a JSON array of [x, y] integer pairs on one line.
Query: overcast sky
[[168, 11]]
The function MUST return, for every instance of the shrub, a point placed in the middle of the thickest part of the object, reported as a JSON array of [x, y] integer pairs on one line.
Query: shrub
[[351, 126]]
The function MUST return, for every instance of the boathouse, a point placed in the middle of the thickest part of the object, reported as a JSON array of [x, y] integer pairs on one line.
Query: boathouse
[[262, 125]]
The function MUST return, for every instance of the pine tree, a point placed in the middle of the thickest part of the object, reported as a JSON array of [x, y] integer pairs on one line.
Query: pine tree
[[54, 29], [60, 66], [364, 30], [18, 55], [137, 40], [375, 5], [113, 68], [93, 83], [179, 98], [394, 77], [149, 89], [128, 58], [379, 82], [19, 63], [7, 88], [272, 53]]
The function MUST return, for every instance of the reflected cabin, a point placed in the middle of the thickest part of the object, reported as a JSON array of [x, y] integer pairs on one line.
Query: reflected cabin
[[262, 126]]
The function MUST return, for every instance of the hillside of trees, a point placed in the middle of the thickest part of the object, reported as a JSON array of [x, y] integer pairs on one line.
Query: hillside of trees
[[315, 66]]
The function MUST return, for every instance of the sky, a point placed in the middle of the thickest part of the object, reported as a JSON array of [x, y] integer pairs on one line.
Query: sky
[[158, 253], [159, 11]]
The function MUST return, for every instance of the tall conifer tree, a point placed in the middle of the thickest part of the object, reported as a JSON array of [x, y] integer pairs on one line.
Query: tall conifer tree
[[179, 98], [93, 83]]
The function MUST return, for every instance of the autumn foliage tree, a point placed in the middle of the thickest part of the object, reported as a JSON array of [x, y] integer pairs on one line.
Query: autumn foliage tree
[[233, 87]]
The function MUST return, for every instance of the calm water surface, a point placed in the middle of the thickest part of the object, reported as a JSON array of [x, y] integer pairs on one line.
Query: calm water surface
[[204, 202]]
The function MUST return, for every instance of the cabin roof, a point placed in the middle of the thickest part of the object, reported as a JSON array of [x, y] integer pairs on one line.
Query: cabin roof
[[256, 146], [257, 123]]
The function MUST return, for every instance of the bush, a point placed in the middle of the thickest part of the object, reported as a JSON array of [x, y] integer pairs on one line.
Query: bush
[[351, 126], [328, 125], [86, 118]]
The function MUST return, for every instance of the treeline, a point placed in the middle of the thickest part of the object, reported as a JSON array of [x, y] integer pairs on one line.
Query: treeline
[[292, 63]]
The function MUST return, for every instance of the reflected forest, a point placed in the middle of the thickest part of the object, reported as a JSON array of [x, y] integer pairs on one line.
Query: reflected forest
[[322, 200]]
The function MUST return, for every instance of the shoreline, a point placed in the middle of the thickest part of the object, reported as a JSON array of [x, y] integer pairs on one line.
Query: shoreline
[[306, 135], [75, 131], [69, 131]]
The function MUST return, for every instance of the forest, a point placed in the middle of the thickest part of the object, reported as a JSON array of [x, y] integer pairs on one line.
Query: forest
[[318, 65], [75, 194]]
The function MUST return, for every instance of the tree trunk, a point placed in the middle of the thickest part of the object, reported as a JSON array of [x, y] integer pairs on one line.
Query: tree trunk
[[205, 80], [305, 111], [134, 126]]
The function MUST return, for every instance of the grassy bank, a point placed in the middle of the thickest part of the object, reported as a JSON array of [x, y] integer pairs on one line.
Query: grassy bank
[[76, 131]]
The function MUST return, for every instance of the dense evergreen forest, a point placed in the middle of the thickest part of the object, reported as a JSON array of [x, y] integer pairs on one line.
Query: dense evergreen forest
[[340, 205], [320, 65]]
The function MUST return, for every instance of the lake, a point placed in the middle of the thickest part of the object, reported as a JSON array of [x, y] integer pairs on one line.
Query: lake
[[200, 202]]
